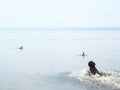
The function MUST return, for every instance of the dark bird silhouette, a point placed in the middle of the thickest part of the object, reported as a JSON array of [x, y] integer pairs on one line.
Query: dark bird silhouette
[[83, 54], [21, 47]]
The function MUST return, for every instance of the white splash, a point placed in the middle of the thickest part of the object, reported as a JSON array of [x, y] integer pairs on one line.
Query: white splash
[[108, 78]]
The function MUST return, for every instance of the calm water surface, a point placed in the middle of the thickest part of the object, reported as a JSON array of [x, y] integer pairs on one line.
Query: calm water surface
[[50, 60]]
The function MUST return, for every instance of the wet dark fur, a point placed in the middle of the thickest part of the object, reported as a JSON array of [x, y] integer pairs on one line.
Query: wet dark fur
[[92, 67]]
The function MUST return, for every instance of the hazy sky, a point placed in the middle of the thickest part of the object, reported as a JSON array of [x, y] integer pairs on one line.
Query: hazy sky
[[59, 13]]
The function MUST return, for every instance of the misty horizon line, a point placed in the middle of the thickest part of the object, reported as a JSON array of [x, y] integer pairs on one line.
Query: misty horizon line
[[59, 28]]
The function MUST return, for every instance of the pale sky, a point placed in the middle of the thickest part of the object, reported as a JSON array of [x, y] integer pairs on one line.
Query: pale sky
[[59, 13]]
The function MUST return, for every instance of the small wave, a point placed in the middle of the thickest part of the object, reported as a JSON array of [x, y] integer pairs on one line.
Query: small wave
[[109, 79]]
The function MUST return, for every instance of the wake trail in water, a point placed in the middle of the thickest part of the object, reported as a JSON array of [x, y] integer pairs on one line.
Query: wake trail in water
[[109, 79]]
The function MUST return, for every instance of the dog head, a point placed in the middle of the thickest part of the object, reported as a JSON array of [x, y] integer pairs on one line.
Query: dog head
[[91, 64]]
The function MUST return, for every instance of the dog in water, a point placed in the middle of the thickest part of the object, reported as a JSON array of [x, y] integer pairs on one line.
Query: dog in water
[[93, 69]]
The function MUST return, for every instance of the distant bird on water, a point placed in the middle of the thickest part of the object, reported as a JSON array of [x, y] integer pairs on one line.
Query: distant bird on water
[[83, 54], [21, 47]]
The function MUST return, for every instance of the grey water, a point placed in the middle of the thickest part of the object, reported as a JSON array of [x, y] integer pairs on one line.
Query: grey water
[[50, 60]]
